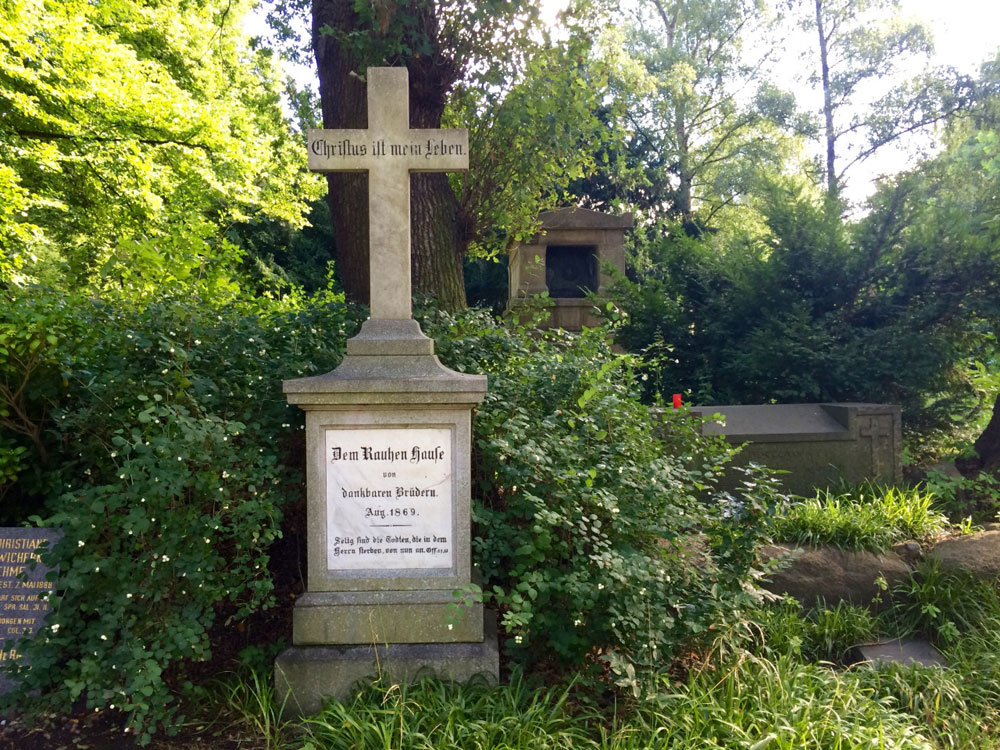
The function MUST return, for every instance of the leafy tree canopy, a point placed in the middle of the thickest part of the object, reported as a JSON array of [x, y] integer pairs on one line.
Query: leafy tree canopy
[[124, 124]]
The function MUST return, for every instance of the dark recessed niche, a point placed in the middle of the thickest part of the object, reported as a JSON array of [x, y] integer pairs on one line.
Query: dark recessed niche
[[570, 270]]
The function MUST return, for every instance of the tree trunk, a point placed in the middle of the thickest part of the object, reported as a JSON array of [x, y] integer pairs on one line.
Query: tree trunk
[[832, 186], [437, 244], [344, 105], [987, 447]]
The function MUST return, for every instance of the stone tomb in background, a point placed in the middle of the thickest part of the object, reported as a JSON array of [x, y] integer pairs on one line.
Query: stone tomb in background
[[819, 445], [566, 259], [388, 443]]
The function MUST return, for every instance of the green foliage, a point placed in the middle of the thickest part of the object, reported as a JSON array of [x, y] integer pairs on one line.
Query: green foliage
[[432, 714], [867, 518], [773, 698], [127, 126], [818, 634], [591, 532], [958, 705], [533, 128], [942, 604], [814, 310], [779, 703], [976, 498], [701, 123], [166, 465]]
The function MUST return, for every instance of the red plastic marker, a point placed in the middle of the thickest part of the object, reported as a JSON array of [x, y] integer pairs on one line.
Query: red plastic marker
[[677, 401]]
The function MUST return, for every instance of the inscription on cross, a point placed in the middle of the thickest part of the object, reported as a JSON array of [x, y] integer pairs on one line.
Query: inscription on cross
[[388, 150]]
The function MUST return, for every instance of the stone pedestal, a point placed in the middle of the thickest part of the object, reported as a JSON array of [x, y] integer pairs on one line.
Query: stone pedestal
[[388, 438], [568, 257]]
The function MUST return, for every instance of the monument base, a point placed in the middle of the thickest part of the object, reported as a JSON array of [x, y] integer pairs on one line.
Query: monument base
[[359, 618], [307, 676]]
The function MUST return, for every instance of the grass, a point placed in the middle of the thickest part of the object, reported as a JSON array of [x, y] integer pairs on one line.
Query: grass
[[435, 715], [867, 518], [777, 681], [776, 688], [774, 703]]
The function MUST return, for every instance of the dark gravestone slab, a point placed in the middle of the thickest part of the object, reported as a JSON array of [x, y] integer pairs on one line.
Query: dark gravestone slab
[[903, 652], [571, 270], [22, 611]]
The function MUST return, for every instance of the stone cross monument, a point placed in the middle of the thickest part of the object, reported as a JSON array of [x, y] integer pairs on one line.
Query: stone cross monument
[[388, 437]]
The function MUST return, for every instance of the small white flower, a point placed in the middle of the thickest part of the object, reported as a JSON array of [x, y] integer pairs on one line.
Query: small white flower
[[55, 628], [600, 587], [450, 626], [577, 623], [128, 596], [517, 639], [80, 543], [104, 637], [642, 592], [167, 559]]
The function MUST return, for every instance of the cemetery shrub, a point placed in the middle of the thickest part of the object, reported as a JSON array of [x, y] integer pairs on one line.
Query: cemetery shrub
[[164, 457], [598, 530], [812, 309]]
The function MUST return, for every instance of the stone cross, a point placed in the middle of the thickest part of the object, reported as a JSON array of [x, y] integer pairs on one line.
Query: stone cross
[[877, 430], [388, 150]]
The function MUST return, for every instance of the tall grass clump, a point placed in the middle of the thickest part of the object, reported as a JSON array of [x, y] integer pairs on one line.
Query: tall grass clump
[[444, 716], [870, 517], [779, 704], [813, 635]]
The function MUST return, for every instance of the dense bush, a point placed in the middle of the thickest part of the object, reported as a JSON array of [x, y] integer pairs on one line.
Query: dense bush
[[594, 534], [161, 453], [892, 309], [166, 452]]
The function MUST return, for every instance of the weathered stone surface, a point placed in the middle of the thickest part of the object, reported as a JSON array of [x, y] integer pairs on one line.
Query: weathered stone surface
[[22, 609], [909, 551], [598, 239], [978, 554], [388, 440], [423, 616], [903, 652], [389, 150], [305, 677], [832, 574], [818, 445]]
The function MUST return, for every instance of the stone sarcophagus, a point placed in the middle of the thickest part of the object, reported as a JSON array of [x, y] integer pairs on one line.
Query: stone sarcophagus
[[567, 259], [819, 445]]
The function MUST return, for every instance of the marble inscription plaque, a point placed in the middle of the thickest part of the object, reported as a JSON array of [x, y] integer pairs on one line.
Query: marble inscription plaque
[[22, 609], [389, 498]]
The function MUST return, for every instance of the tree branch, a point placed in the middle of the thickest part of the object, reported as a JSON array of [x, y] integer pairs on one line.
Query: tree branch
[[43, 136]]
